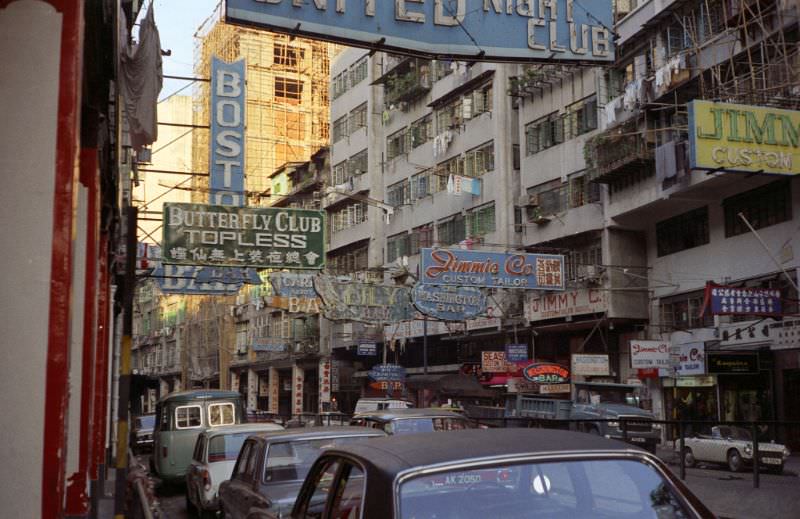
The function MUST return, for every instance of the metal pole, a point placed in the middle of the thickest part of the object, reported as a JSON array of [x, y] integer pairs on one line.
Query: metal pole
[[756, 478], [682, 456], [772, 256], [424, 344]]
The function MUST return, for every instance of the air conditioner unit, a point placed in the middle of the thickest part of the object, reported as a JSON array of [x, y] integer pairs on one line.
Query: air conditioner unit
[[533, 200]]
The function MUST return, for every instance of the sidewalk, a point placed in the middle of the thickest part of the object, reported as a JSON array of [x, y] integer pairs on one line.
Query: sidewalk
[[731, 495], [105, 507]]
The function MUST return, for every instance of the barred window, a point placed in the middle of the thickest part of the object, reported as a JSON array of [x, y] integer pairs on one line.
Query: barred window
[[358, 72], [481, 220], [421, 131], [348, 216], [682, 232], [426, 183], [397, 194], [544, 133], [421, 237], [479, 160], [343, 263], [357, 164], [358, 118], [397, 144], [339, 85], [581, 117], [340, 129], [763, 206], [451, 230], [397, 246], [287, 56], [340, 173], [288, 90]]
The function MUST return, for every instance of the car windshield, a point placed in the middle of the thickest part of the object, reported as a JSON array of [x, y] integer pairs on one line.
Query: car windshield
[[226, 447], [146, 421], [291, 461], [587, 489], [418, 425], [734, 433], [608, 396]]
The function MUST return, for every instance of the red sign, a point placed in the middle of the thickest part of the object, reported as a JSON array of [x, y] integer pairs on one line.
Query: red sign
[[546, 373]]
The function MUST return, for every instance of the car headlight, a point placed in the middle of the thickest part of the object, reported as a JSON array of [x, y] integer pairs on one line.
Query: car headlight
[[786, 452], [613, 424], [748, 449]]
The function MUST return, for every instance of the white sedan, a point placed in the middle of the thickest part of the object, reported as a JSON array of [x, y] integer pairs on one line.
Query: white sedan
[[214, 456], [732, 446]]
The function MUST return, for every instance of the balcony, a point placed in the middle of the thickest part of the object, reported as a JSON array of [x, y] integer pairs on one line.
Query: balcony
[[408, 80], [618, 153]]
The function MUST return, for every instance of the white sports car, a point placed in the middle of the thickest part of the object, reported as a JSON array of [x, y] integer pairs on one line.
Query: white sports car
[[732, 446]]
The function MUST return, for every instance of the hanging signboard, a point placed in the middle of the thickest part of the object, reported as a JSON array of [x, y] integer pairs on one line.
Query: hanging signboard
[[552, 389], [270, 345], [492, 269], [387, 373], [293, 292], [448, 303], [520, 385], [324, 382], [226, 164], [494, 362], [688, 359], [367, 349], [750, 139], [650, 354], [217, 235], [363, 302], [593, 365], [722, 300], [298, 380], [732, 363], [496, 30], [189, 279], [546, 373], [516, 352], [417, 328], [564, 304]]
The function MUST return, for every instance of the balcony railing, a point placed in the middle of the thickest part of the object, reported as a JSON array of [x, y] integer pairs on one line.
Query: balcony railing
[[617, 153], [407, 81]]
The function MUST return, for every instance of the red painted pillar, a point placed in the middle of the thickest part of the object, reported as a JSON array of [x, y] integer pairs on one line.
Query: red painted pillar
[[77, 492], [101, 360]]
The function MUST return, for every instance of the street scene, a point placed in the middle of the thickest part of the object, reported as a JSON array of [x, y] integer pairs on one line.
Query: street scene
[[418, 259]]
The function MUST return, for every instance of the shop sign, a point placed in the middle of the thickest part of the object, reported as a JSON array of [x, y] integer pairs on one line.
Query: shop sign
[[516, 352], [324, 382], [785, 334], [448, 303], [189, 279], [363, 302], [586, 364], [746, 334], [574, 302], [416, 328], [688, 359], [271, 345], [480, 323], [520, 385], [650, 354], [691, 381], [367, 349], [546, 373], [387, 385], [550, 389], [387, 373], [496, 30], [298, 379], [259, 237], [335, 374], [293, 284], [750, 139], [274, 390], [733, 363], [492, 269], [722, 300], [494, 362], [226, 164]]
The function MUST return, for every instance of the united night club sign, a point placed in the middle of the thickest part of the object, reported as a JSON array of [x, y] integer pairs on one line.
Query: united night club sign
[[469, 268]]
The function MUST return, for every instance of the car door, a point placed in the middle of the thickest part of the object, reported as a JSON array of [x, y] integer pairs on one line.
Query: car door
[[193, 480], [232, 493], [336, 491]]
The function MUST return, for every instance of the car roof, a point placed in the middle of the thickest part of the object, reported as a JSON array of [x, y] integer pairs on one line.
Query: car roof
[[318, 432], [395, 454], [243, 428], [202, 394], [427, 412]]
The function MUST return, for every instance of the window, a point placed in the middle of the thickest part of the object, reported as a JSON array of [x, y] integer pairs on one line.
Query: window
[[339, 173], [477, 101], [397, 246], [199, 448], [449, 116], [339, 85], [452, 230], [421, 237], [581, 118], [324, 480], [579, 257], [241, 463], [348, 216], [349, 494], [397, 144], [682, 232], [188, 416], [287, 56], [358, 72], [289, 90], [544, 133], [421, 131], [481, 220], [763, 206], [220, 414], [340, 129], [479, 161], [443, 68], [397, 194], [357, 164], [358, 118], [427, 183], [344, 263]]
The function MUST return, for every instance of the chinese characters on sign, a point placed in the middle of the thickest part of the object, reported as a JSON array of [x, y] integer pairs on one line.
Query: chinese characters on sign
[[274, 390], [324, 382], [649, 354], [367, 349], [724, 300], [492, 269], [298, 379], [516, 352], [196, 234], [226, 167], [387, 373]]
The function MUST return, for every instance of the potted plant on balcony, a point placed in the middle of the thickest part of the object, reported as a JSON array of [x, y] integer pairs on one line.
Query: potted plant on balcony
[[537, 216]]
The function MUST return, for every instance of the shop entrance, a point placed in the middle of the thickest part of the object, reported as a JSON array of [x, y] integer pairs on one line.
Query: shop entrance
[[691, 403], [311, 390], [791, 406], [285, 392]]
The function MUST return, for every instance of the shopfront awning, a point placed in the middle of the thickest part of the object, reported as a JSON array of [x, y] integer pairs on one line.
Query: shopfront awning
[[450, 384]]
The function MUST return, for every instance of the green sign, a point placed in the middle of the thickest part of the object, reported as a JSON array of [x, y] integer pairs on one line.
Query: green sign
[[260, 237]]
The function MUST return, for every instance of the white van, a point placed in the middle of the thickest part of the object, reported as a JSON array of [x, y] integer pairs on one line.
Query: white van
[[366, 405]]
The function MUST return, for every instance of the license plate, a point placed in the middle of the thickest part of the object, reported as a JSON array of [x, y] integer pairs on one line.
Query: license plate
[[638, 440], [771, 461]]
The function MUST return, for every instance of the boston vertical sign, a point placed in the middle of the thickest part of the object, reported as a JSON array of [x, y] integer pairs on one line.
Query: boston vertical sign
[[226, 164]]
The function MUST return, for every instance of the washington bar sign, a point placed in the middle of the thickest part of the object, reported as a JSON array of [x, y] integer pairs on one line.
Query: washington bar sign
[[198, 234]]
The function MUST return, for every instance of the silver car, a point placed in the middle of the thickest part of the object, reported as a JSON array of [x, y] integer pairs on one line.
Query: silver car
[[732, 446]]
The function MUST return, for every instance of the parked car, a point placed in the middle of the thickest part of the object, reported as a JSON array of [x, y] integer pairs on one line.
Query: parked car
[[271, 467], [407, 421], [142, 433], [212, 463], [365, 405], [180, 418], [477, 474], [732, 446]]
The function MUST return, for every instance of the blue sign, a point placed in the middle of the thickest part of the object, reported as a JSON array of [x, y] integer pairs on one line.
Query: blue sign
[[488, 30], [516, 352], [448, 303], [270, 345], [289, 284], [226, 164], [469, 268], [387, 373], [189, 279], [743, 301], [367, 349]]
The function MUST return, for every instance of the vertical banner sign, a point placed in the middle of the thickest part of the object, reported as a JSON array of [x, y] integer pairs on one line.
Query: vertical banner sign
[[324, 383], [298, 378], [252, 389], [274, 391], [226, 164]]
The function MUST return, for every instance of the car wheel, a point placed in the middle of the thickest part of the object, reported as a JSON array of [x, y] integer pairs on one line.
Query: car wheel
[[593, 431], [734, 460], [688, 458]]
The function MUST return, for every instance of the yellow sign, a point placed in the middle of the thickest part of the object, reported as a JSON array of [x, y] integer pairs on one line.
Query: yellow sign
[[751, 139]]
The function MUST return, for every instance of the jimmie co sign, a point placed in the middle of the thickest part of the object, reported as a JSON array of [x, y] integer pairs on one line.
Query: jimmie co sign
[[650, 354]]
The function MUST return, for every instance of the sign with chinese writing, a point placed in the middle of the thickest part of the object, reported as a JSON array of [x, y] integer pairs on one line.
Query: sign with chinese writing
[[649, 354], [722, 300], [387, 373], [226, 164], [520, 385], [745, 334], [552, 389], [516, 352], [573, 302], [587, 364], [489, 30], [492, 269], [750, 139], [335, 374], [261, 237], [732, 363], [363, 302], [448, 303], [785, 334], [298, 379], [494, 362], [271, 345], [367, 349], [324, 382], [274, 390], [456, 185], [546, 373]]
